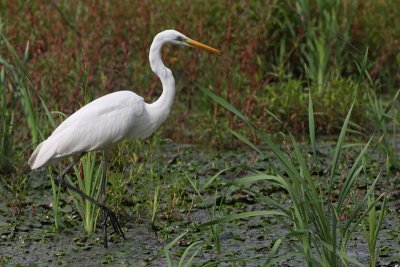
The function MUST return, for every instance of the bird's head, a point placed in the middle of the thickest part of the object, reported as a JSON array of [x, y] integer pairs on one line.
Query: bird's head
[[177, 38]]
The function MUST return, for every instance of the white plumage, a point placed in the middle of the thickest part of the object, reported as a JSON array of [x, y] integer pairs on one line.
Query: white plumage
[[94, 127], [109, 119]]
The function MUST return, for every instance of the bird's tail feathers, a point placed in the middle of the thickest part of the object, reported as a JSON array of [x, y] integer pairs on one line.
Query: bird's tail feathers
[[32, 159], [42, 155]]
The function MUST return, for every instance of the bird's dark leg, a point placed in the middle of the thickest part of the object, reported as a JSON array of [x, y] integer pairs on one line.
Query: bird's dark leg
[[103, 195], [60, 180]]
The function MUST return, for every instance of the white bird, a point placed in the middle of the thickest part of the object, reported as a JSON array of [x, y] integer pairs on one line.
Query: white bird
[[108, 120]]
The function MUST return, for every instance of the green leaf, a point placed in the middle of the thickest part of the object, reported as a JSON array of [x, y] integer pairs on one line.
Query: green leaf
[[168, 246], [243, 215], [338, 149], [311, 128]]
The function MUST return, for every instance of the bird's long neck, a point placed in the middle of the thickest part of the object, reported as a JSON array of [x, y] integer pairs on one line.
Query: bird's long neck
[[165, 101]]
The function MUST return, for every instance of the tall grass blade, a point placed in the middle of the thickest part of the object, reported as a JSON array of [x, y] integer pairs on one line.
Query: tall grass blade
[[275, 149], [186, 252], [363, 69], [355, 216], [245, 140], [212, 179], [258, 177], [338, 149], [272, 253], [168, 246], [56, 197], [351, 177], [389, 107], [311, 128], [169, 259], [243, 215], [192, 183], [154, 207]]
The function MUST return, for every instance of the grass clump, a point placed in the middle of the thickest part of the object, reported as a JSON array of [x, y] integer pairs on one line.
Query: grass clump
[[323, 214], [289, 101], [88, 179]]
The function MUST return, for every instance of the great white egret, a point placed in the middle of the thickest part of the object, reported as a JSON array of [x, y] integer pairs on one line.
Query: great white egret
[[108, 120]]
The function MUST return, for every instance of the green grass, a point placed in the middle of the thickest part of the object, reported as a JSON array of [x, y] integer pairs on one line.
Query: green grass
[[88, 177], [383, 119], [372, 227], [288, 66], [75, 49], [315, 217], [7, 115]]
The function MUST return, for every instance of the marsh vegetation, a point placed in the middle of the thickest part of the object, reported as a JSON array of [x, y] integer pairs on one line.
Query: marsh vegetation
[[284, 150]]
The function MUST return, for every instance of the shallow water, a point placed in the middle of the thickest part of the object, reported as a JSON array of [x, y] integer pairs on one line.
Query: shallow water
[[27, 239]]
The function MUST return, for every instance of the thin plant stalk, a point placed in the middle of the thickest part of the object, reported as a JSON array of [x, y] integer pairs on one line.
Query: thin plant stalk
[[56, 197], [154, 207]]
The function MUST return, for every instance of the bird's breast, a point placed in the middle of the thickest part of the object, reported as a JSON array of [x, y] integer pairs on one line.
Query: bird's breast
[[149, 121]]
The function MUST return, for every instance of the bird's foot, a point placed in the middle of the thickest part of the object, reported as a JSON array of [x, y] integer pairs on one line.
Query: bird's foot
[[114, 221]]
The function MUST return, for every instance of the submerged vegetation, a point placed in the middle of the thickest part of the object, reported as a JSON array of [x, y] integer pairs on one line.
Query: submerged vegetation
[[294, 76]]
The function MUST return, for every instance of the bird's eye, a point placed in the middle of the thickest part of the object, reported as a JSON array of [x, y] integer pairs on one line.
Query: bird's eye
[[179, 38]]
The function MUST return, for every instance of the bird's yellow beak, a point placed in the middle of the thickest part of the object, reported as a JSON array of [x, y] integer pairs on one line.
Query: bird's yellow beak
[[202, 46]]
